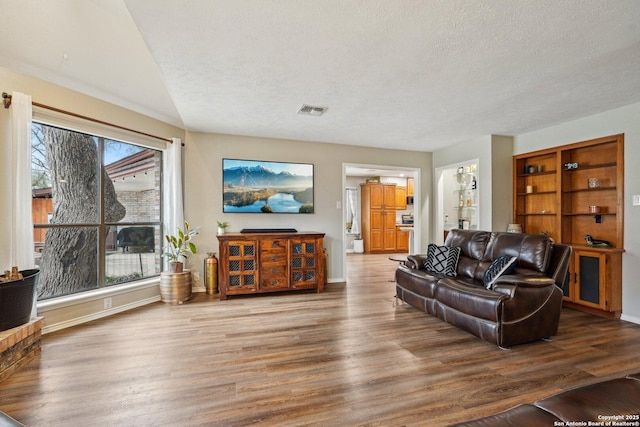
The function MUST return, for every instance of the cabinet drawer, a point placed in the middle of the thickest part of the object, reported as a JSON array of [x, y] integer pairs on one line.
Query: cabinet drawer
[[274, 277], [276, 245]]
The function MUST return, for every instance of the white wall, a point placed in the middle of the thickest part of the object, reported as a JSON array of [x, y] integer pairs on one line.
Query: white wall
[[203, 186], [622, 120]]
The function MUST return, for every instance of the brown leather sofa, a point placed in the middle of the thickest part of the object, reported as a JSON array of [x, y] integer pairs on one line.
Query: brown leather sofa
[[521, 307], [613, 402]]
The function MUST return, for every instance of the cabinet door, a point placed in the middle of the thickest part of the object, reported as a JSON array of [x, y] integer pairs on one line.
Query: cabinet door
[[401, 198], [389, 197], [410, 186], [590, 279], [389, 234], [305, 262], [402, 240], [376, 230], [376, 197], [241, 267]]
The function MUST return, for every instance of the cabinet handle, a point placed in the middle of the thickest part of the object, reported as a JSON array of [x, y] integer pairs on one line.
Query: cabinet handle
[[273, 270], [274, 258]]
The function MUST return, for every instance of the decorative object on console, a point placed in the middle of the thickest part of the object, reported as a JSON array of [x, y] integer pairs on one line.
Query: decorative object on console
[[222, 225], [442, 259], [251, 186], [596, 242], [500, 266]]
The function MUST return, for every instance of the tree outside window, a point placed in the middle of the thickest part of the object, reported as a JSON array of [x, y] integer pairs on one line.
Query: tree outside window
[[96, 210]]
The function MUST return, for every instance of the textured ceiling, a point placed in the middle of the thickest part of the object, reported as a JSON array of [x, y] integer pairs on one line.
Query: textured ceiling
[[393, 73]]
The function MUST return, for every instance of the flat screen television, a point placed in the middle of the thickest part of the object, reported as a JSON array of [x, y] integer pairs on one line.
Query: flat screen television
[[255, 186]]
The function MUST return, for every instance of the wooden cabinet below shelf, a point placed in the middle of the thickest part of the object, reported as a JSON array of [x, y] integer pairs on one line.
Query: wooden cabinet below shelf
[[595, 278]]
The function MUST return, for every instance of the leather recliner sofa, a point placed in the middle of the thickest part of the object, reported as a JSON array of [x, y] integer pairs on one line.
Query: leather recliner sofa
[[520, 307]]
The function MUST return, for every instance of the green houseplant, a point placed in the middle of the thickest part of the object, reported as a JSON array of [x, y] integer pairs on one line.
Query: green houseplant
[[180, 246], [221, 226]]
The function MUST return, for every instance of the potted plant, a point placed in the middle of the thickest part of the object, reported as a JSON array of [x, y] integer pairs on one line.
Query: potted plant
[[175, 284], [180, 246], [221, 226]]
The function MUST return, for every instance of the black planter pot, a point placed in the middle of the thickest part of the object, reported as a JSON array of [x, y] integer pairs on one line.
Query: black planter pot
[[16, 299]]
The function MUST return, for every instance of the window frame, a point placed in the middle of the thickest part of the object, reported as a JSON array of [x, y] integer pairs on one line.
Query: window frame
[[103, 132]]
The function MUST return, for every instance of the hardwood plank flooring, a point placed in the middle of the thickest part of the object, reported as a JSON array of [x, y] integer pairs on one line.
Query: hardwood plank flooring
[[349, 356]]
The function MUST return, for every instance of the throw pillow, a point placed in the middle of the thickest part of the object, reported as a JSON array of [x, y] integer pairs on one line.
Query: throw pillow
[[501, 265], [442, 259]]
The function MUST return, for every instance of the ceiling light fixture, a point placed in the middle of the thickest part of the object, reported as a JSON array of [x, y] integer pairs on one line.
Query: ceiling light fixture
[[311, 110]]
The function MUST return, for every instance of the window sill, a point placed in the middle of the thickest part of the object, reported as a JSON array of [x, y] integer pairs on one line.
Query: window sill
[[88, 296]]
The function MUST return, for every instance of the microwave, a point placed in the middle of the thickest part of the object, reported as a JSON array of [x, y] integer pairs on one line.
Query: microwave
[[409, 200]]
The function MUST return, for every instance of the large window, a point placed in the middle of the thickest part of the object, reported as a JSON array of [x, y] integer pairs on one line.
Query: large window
[[96, 210]]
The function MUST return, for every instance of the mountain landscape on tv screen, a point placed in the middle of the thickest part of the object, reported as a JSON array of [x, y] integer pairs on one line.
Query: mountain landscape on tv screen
[[257, 188]]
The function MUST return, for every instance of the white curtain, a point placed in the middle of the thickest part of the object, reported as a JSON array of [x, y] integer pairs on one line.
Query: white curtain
[[21, 244], [353, 204], [172, 206]]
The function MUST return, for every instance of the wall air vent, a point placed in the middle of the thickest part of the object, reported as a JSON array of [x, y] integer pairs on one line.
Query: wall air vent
[[311, 110]]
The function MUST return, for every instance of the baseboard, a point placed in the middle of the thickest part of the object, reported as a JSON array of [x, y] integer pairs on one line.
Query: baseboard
[[628, 318]]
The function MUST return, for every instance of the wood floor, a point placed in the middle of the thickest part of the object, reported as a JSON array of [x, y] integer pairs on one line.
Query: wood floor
[[348, 356]]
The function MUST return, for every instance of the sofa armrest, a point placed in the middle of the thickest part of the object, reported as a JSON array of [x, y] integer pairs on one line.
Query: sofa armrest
[[509, 284], [416, 261], [521, 280]]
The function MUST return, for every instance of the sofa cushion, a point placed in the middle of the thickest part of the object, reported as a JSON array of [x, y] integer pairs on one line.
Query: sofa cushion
[[442, 259], [589, 403], [500, 266], [472, 246], [532, 250], [518, 416]]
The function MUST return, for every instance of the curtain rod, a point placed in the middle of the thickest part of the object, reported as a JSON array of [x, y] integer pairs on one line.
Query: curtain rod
[[6, 100]]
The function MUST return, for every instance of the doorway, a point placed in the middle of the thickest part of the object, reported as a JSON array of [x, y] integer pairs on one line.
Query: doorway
[[354, 174], [457, 198]]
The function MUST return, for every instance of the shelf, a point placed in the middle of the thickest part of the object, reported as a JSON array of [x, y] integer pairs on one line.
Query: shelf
[[580, 167], [538, 214], [552, 172], [585, 247], [535, 193], [576, 190], [588, 214]]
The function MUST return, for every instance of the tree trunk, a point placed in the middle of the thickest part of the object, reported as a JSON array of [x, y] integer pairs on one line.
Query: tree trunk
[[70, 255]]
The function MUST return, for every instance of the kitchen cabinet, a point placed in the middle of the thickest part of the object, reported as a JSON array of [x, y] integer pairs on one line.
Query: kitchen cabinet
[[378, 206], [401, 198]]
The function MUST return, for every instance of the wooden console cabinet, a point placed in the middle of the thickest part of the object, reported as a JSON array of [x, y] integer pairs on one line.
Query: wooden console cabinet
[[571, 191], [252, 263]]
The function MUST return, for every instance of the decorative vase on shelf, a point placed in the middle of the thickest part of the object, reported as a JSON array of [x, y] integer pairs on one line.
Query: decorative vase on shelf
[[514, 228]]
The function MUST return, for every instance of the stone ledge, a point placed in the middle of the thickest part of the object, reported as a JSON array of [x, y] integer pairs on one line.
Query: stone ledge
[[19, 345]]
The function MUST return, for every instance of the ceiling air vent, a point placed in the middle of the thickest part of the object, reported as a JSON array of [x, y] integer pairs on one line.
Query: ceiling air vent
[[311, 110]]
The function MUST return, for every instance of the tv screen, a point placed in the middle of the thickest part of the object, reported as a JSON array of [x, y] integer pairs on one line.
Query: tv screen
[[266, 187]]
